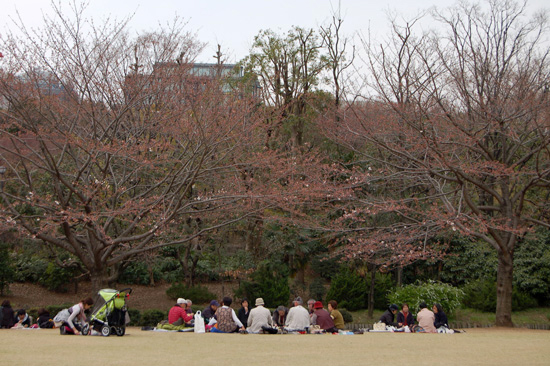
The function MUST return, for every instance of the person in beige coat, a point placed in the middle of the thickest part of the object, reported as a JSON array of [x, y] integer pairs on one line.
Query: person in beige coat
[[425, 319], [259, 317]]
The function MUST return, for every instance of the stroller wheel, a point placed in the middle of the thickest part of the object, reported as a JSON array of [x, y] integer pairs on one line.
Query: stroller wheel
[[85, 330], [105, 330], [120, 331]]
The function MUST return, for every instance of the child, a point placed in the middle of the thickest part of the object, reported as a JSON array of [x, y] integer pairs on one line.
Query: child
[[23, 319]]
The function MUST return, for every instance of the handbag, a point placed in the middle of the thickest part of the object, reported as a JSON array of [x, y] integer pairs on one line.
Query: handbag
[[199, 323]]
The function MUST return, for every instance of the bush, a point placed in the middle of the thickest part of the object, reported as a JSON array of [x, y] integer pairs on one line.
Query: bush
[[431, 292], [270, 282], [482, 295], [152, 317], [198, 294], [7, 273], [56, 278], [135, 317], [317, 289], [349, 290], [348, 318], [383, 286]]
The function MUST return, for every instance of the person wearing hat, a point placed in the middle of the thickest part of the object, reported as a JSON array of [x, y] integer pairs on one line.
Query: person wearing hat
[[208, 312], [178, 314], [388, 317], [298, 317], [259, 318], [244, 311], [322, 318], [279, 316]]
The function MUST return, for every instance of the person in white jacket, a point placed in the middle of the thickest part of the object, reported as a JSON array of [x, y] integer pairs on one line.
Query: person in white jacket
[[259, 317], [298, 317], [75, 312]]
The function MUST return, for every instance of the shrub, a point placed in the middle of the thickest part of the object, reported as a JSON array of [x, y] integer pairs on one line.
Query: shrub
[[56, 278], [317, 289], [152, 317], [348, 318], [383, 286], [7, 273], [135, 317], [349, 290], [431, 292], [482, 295], [270, 282], [198, 294]]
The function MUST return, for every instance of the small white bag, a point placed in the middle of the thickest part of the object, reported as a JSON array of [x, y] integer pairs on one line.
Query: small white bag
[[199, 323]]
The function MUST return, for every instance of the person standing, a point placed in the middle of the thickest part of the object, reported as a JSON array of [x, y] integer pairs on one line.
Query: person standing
[[426, 319], [298, 317]]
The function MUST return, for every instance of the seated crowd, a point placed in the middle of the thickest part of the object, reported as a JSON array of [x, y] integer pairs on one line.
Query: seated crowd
[[428, 321]]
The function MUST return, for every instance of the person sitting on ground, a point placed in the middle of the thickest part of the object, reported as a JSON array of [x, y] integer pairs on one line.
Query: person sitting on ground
[[440, 317], [208, 312], [260, 318], [67, 317], [310, 306], [225, 319], [336, 315], [388, 317], [44, 319], [279, 316], [404, 317], [188, 309], [322, 318], [178, 314], [23, 320], [8, 316], [426, 319], [298, 317], [244, 312]]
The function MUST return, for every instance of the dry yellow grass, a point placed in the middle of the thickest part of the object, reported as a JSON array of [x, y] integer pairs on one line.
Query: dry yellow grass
[[475, 347]]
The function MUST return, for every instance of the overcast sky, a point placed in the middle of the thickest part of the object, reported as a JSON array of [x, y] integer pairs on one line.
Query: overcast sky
[[234, 23]]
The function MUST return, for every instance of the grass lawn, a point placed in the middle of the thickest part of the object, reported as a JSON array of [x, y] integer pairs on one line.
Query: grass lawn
[[475, 347]]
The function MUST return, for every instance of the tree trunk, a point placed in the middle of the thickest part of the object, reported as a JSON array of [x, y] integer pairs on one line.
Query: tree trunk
[[99, 280], [371, 290], [504, 289]]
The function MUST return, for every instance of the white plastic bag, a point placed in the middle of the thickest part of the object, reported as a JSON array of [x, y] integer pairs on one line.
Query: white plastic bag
[[199, 323]]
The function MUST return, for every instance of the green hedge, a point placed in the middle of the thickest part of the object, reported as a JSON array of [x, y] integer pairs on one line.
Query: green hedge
[[431, 292]]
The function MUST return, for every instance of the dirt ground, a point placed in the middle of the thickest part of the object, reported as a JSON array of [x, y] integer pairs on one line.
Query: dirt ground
[[28, 295], [475, 347]]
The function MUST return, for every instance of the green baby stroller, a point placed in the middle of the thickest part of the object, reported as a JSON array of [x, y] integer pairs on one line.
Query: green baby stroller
[[109, 312]]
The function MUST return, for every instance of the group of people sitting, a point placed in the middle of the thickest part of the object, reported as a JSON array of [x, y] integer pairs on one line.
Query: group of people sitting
[[221, 318], [427, 321], [10, 318]]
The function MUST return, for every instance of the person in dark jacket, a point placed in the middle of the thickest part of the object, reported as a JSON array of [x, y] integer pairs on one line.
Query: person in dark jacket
[[243, 312], [208, 313], [23, 319], [44, 319], [404, 317], [8, 316], [279, 316], [440, 317], [388, 317]]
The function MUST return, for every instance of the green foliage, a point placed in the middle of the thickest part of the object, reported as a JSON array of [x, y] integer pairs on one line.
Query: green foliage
[[532, 266], [198, 294], [431, 292], [349, 290], [482, 295], [326, 266], [270, 282], [317, 289], [348, 317], [7, 272], [29, 268], [383, 286], [55, 278], [152, 317], [135, 317]]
